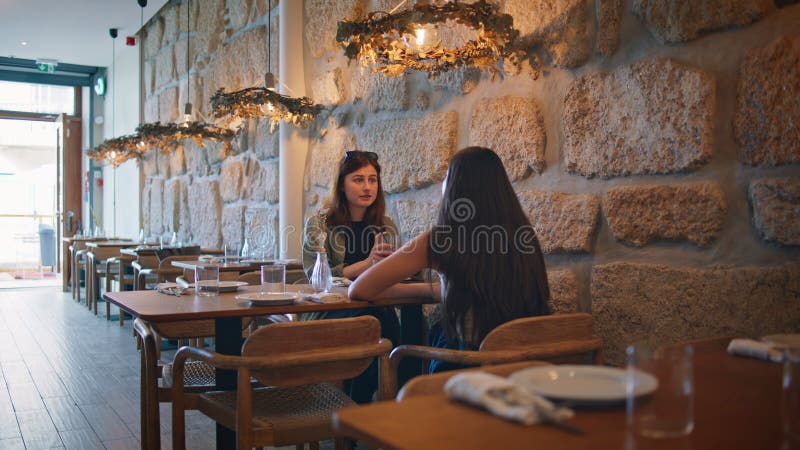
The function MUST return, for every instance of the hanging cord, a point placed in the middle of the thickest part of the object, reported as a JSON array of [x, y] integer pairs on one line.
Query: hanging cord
[[188, 32]]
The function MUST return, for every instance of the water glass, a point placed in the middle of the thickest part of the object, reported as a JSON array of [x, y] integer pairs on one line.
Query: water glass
[[206, 280], [669, 410], [231, 253], [790, 401], [273, 278]]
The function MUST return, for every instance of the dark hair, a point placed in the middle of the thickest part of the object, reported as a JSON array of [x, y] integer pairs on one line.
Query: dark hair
[[338, 212], [486, 286]]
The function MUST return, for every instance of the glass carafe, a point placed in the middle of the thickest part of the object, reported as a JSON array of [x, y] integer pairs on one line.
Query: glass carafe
[[321, 274]]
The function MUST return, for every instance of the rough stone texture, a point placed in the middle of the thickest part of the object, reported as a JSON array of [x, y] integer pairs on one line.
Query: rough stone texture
[[260, 140], [156, 206], [164, 159], [206, 212], [196, 160], [208, 23], [776, 209], [684, 20], [328, 87], [261, 230], [184, 232], [514, 128], [766, 122], [149, 73], [215, 153], [563, 25], [233, 225], [663, 304], [177, 161], [151, 109], [238, 13], [172, 27], [172, 205], [261, 181], [152, 40], [563, 291], [654, 116], [150, 164], [414, 217], [379, 92], [413, 152], [326, 154], [228, 69], [638, 215], [165, 67], [323, 17], [609, 18], [563, 222], [231, 181], [145, 206], [180, 56], [168, 105], [460, 81]]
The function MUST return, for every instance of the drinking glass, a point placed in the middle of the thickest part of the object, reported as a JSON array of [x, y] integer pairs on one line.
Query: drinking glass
[[669, 410], [206, 280], [231, 253], [790, 401], [273, 279]]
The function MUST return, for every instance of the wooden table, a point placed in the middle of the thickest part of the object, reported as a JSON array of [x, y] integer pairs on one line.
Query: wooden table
[[737, 406], [227, 312]]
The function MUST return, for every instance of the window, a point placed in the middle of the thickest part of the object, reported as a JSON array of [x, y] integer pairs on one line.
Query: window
[[37, 98]]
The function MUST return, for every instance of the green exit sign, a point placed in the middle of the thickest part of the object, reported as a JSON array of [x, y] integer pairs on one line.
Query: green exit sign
[[46, 67]]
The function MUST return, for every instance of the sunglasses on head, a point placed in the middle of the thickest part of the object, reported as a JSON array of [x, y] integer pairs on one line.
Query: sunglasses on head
[[356, 153]]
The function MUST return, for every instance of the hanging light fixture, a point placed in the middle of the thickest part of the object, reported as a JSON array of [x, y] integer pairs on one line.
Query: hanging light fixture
[[231, 109], [392, 43], [167, 136]]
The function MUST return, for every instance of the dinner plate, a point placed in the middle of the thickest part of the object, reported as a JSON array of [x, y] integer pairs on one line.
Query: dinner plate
[[267, 299], [230, 286], [257, 261], [584, 384], [783, 340], [168, 286]]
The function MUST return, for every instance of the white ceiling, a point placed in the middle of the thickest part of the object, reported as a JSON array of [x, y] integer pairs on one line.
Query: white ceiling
[[69, 31]]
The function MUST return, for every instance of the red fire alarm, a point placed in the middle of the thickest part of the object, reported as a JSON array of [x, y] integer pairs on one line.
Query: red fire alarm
[[130, 40], [99, 182]]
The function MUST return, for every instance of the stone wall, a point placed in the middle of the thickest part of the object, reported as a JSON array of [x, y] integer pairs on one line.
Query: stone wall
[[657, 152]]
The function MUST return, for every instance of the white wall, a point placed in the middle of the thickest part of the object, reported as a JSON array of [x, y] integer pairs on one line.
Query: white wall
[[125, 87]]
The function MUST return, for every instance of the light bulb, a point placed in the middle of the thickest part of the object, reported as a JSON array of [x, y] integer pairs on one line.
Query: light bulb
[[420, 36], [187, 115], [113, 154], [425, 37], [269, 106]]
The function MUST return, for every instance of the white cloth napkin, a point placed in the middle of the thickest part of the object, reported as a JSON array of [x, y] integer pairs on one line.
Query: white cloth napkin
[[208, 259], [755, 349], [504, 398], [325, 297], [341, 281]]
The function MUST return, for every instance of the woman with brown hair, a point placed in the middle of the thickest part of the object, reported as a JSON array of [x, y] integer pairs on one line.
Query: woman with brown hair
[[486, 252], [353, 230]]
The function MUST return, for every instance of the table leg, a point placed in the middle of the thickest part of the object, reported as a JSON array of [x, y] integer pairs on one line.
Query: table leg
[[411, 332], [229, 341]]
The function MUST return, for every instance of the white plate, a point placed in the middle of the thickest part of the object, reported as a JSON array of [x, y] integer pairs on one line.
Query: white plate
[[590, 384], [267, 299], [230, 286], [783, 340]]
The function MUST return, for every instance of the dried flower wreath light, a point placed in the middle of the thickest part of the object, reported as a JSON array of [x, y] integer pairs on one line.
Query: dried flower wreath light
[[232, 108], [117, 150], [166, 136], [380, 40]]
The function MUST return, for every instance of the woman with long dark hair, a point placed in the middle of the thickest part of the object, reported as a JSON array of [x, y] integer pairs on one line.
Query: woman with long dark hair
[[484, 248]]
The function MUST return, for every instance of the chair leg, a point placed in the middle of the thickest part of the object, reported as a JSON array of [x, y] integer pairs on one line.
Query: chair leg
[[300, 447], [342, 444], [313, 445]]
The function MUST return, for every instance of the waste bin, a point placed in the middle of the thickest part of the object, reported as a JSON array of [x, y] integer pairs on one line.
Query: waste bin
[[47, 245]]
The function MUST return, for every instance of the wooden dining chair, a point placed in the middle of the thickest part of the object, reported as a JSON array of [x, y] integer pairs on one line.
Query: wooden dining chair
[[559, 338], [164, 272], [298, 361], [156, 381]]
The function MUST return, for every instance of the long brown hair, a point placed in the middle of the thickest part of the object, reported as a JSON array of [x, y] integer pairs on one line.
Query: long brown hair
[[487, 283], [337, 211]]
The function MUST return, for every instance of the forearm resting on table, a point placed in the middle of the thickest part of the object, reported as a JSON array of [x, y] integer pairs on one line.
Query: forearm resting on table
[[356, 269], [431, 290]]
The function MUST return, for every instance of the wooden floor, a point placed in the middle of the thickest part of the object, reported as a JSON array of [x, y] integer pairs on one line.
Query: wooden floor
[[70, 380]]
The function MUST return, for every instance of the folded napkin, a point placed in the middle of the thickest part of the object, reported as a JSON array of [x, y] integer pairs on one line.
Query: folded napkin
[[208, 259], [755, 349], [341, 281], [173, 290], [325, 297], [182, 283], [504, 398]]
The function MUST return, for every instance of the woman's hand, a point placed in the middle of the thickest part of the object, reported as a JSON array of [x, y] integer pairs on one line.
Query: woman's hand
[[380, 250]]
